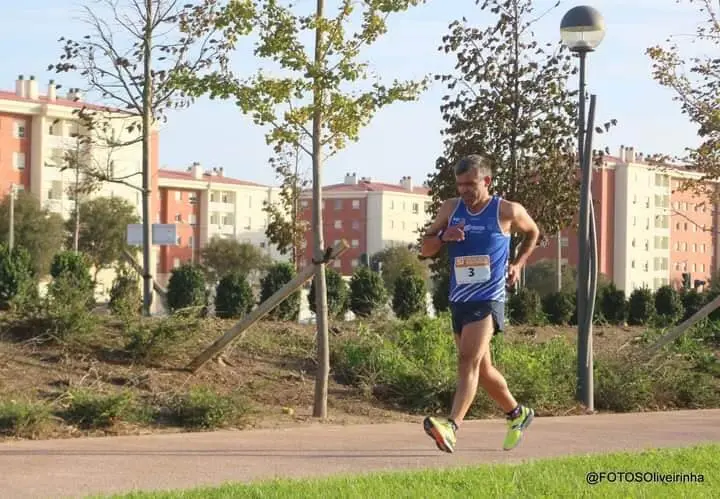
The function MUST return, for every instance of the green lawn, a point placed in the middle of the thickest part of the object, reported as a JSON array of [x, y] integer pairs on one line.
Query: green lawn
[[556, 478]]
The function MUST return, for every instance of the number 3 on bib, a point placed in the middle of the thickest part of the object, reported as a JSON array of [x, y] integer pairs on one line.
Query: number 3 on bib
[[472, 269]]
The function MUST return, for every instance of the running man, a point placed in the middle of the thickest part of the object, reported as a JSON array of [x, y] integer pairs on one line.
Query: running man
[[476, 226]]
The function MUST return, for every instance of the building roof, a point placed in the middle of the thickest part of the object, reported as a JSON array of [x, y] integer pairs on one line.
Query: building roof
[[214, 177], [364, 186], [59, 101]]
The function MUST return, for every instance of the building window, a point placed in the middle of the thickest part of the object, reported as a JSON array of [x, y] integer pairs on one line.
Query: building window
[[176, 262], [355, 243], [304, 203], [178, 217], [337, 263], [338, 204], [179, 241], [19, 160], [354, 262], [356, 204], [214, 219], [338, 224], [192, 197], [178, 196], [250, 202], [227, 220], [225, 197], [356, 225], [191, 242], [193, 219], [19, 130], [416, 208]]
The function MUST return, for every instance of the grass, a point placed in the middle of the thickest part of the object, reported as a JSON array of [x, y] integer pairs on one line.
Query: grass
[[563, 477]]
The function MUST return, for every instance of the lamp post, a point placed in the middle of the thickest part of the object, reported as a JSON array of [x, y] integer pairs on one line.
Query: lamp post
[[581, 30]]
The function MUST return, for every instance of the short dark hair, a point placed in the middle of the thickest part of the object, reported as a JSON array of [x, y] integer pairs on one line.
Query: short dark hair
[[473, 162]]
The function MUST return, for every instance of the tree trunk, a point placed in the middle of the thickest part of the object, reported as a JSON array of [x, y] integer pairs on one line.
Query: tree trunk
[[76, 228], [321, 315], [147, 178]]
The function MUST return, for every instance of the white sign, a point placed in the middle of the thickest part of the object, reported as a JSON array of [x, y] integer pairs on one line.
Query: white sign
[[162, 234]]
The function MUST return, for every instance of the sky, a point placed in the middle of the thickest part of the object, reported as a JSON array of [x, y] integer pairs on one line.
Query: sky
[[404, 138]]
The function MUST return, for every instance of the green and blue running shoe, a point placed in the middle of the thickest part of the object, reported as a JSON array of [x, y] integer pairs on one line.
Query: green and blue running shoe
[[516, 426], [442, 432]]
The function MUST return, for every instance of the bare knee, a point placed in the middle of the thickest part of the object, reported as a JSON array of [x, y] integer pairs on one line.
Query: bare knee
[[469, 361]]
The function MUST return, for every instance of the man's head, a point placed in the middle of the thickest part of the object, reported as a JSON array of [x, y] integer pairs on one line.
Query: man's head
[[472, 177]]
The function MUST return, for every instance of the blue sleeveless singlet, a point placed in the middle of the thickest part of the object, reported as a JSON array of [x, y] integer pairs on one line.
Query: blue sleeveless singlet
[[479, 263]]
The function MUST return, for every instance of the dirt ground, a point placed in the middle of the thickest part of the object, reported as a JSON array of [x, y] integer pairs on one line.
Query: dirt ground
[[273, 365]]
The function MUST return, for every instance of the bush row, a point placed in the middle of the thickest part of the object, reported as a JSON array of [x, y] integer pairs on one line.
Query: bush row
[[199, 408], [413, 366], [665, 307]]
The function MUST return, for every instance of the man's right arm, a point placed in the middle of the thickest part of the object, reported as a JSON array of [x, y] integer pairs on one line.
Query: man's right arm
[[431, 243]]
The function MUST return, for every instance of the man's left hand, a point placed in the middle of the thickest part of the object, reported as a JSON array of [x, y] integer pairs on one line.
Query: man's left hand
[[513, 274]]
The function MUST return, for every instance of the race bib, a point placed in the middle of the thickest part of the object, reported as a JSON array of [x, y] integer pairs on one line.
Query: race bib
[[473, 269]]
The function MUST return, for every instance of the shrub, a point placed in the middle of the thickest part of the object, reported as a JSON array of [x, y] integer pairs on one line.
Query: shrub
[[367, 292], [89, 409], [558, 307], [201, 407], [524, 306], [151, 339], [613, 304], [233, 296], [67, 309], [186, 288], [71, 269], [277, 276], [692, 302], [621, 386], [25, 419], [441, 292], [668, 305], [338, 298], [15, 273], [641, 307], [410, 294], [125, 296]]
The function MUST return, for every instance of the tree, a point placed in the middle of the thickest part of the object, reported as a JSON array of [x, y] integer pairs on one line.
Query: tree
[[223, 256], [409, 293], [234, 296], [309, 106], [367, 292], [103, 229], [278, 276], [394, 260], [286, 229], [128, 59], [15, 273], [509, 101], [186, 288], [695, 83], [71, 270], [337, 295], [38, 230]]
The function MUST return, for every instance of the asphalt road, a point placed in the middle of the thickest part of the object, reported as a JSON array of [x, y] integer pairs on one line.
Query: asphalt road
[[78, 467]]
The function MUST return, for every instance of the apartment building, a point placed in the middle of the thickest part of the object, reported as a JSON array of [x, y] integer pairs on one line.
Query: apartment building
[[649, 232], [370, 215], [37, 129], [207, 204]]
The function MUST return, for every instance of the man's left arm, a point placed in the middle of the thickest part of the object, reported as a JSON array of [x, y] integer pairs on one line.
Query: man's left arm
[[522, 222]]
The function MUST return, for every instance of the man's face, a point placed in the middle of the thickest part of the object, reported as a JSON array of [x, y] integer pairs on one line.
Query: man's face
[[472, 185]]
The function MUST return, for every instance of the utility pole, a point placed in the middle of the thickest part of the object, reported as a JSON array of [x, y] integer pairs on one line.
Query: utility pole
[[11, 228], [559, 261]]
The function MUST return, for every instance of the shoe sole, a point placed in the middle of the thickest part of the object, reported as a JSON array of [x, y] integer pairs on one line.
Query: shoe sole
[[524, 427], [440, 441]]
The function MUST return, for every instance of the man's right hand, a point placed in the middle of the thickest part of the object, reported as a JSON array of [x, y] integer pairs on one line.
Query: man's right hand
[[454, 233]]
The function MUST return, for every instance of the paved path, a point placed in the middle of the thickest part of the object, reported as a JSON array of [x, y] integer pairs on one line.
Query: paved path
[[77, 467]]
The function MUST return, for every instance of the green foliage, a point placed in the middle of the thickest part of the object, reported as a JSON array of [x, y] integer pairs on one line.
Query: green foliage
[[541, 276], [23, 418], [68, 309], [410, 293], [668, 305], [558, 307], [186, 288], [394, 260], [613, 305], [621, 386], [277, 276], [338, 294], [367, 292], [148, 339], [71, 264], [103, 229], [37, 230], [233, 296], [525, 307], [90, 409], [224, 256], [441, 292], [125, 296], [15, 273], [692, 302], [202, 408], [641, 307]]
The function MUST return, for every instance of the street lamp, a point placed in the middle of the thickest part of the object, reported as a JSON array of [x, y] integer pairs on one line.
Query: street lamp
[[582, 29]]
